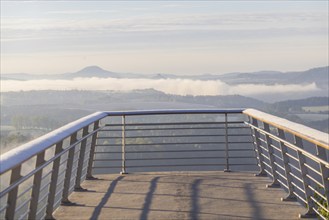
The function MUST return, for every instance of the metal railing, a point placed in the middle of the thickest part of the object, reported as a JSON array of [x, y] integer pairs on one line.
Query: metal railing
[[39, 176], [295, 157]]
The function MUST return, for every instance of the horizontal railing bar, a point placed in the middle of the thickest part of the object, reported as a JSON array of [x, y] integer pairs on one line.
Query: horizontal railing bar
[[42, 209], [43, 197], [295, 168], [59, 192], [275, 147], [171, 158], [174, 112], [163, 136], [268, 165], [268, 172], [314, 180], [174, 136], [300, 189], [163, 129], [282, 184], [319, 214], [45, 186], [280, 174], [57, 203], [25, 214], [64, 161], [291, 156], [277, 157], [175, 143], [318, 193], [174, 123], [311, 168], [262, 140], [278, 165], [23, 204], [24, 192], [181, 128], [150, 144], [263, 148], [265, 156], [171, 151], [296, 177], [319, 204], [48, 174], [300, 197], [71, 188], [172, 165], [59, 183]]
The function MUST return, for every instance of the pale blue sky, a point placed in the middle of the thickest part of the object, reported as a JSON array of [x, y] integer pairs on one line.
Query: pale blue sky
[[180, 37]]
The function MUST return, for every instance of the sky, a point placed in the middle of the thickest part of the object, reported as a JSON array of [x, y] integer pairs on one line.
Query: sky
[[177, 37]]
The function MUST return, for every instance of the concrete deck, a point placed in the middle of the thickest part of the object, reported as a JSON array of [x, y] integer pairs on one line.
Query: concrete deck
[[179, 195]]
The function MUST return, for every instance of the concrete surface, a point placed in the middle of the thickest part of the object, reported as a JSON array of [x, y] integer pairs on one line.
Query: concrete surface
[[179, 195]]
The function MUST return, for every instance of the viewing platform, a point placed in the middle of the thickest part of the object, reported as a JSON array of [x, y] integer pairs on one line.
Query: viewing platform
[[169, 164], [179, 195]]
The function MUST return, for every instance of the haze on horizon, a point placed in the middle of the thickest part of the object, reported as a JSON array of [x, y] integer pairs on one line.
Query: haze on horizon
[[178, 37]]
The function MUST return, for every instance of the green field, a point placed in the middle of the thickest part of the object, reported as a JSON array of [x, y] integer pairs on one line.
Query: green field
[[316, 108]]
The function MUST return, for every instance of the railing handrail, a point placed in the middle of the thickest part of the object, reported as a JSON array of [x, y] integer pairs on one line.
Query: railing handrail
[[22, 153], [312, 135], [174, 112]]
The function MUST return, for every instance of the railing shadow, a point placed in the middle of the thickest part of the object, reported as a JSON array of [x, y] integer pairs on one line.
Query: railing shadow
[[195, 207], [256, 210], [106, 197], [148, 199]]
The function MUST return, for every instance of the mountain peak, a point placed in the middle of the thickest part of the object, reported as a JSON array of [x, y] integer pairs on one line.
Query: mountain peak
[[92, 69]]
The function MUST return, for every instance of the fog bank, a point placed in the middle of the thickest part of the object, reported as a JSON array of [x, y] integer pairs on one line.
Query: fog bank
[[168, 86]]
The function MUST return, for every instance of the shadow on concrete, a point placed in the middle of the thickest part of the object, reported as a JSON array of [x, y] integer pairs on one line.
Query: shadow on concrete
[[256, 210], [106, 197], [195, 207], [148, 198]]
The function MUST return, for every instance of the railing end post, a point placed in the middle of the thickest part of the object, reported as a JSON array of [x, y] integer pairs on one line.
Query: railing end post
[[273, 185], [289, 198], [90, 177], [261, 173], [308, 214], [80, 189], [123, 172]]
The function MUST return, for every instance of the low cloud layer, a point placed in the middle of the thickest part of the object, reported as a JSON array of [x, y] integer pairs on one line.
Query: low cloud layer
[[169, 86]]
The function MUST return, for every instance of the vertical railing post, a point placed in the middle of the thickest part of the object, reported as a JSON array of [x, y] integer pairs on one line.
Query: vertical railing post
[[12, 195], [287, 169], [92, 152], [321, 153], [123, 148], [308, 193], [68, 171], [81, 160], [53, 182], [227, 169], [36, 186], [257, 144], [268, 140]]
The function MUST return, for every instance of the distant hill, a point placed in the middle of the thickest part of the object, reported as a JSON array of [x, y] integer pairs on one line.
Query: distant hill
[[318, 75], [91, 71]]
